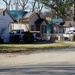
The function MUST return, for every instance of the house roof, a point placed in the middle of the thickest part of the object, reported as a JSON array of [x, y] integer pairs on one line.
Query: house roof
[[39, 21], [72, 23], [55, 21], [10, 14], [29, 16], [17, 14], [67, 23], [1, 10], [48, 19]]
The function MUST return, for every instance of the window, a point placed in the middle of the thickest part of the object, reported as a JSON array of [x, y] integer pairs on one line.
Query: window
[[3, 13], [13, 32], [37, 27], [43, 29], [18, 31], [32, 27]]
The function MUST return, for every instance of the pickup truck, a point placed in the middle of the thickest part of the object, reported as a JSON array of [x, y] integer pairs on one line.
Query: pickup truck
[[17, 32], [20, 32]]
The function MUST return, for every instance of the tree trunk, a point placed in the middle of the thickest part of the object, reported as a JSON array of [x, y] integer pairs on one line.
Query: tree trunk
[[74, 11]]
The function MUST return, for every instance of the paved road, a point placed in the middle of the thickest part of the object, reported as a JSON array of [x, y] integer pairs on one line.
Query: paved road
[[46, 62]]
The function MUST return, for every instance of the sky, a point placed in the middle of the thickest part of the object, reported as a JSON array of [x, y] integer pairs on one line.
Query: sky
[[2, 5]]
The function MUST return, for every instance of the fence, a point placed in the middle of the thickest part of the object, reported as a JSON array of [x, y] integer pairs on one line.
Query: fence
[[61, 37]]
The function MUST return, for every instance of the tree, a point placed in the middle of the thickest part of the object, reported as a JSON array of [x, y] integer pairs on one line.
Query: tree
[[37, 6], [33, 5], [74, 11], [23, 4], [15, 5], [59, 6], [8, 3]]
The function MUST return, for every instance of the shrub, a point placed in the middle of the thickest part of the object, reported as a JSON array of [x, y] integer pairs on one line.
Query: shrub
[[11, 38], [15, 39], [28, 37], [1, 41]]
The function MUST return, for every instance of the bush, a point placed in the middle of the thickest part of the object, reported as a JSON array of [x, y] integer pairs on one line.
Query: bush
[[74, 37], [11, 38], [1, 41], [15, 39], [28, 37]]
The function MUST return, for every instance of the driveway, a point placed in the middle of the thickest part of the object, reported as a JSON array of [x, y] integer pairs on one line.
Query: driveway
[[42, 62]]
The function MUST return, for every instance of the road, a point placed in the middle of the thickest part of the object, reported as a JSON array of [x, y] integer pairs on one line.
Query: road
[[42, 62]]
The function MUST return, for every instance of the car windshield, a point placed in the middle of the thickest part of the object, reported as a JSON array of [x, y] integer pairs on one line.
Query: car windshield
[[13, 32]]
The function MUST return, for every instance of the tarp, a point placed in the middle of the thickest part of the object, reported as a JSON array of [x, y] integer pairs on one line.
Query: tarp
[[17, 14], [53, 22]]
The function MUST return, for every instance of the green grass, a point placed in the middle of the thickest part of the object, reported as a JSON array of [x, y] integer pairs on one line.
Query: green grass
[[11, 48]]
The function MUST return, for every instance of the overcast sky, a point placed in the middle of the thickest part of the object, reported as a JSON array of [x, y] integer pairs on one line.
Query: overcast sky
[[2, 4]]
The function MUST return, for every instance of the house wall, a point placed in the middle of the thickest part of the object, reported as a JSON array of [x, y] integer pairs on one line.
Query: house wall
[[68, 28], [23, 26], [32, 21], [4, 26], [44, 34], [59, 30], [44, 23], [27, 26]]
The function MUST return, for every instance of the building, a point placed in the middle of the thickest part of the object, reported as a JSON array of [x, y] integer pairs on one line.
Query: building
[[31, 22], [18, 19], [5, 19], [69, 26]]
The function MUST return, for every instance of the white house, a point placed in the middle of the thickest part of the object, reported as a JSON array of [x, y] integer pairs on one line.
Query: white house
[[69, 26], [5, 19]]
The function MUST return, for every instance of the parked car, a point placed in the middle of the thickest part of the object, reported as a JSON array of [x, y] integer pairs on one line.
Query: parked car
[[18, 34], [69, 35], [36, 35]]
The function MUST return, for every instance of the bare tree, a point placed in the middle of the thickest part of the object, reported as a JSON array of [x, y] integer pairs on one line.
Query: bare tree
[[15, 5], [40, 7], [37, 6], [74, 11], [23, 4], [8, 3], [33, 5], [19, 4]]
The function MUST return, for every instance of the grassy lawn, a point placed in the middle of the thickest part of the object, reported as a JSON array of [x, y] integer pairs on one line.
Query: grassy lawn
[[11, 48]]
